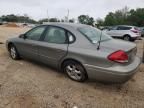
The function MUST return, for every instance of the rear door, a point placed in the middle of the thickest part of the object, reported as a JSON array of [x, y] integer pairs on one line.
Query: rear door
[[123, 30], [54, 45], [120, 31]]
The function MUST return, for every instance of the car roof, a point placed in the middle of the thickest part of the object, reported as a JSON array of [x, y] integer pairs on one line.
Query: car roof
[[60, 24]]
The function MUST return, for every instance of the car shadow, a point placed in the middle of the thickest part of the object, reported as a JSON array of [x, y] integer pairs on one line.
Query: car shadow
[[42, 65], [103, 86], [1, 43], [106, 87]]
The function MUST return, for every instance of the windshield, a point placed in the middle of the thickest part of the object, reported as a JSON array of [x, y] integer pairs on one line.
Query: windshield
[[93, 34]]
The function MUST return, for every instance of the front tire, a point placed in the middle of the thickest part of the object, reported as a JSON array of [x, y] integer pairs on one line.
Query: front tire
[[75, 71], [13, 52]]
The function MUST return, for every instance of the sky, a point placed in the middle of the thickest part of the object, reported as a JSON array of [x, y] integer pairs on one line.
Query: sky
[[39, 9]]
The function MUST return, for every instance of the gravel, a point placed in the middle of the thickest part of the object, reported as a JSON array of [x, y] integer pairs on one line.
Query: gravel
[[26, 84]]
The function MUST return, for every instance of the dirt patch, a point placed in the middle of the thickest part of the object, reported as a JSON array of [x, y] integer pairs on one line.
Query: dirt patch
[[11, 25], [24, 102], [9, 32], [26, 84]]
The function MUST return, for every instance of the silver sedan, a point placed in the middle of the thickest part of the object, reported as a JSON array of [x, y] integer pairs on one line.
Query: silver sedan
[[79, 50]]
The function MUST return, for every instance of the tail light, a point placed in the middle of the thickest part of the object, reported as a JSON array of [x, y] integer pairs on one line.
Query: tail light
[[118, 56], [135, 31]]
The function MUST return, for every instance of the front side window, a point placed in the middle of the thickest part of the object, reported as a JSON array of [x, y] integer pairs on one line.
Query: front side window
[[93, 34], [55, 35], [124, 28], [36, 33], [114, 28]]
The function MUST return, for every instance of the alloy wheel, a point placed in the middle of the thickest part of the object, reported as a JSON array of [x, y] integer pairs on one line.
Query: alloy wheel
[[13, 52], [127, 38], [74, 72]]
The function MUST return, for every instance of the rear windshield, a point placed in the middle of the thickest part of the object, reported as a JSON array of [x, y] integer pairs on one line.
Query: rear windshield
[[136, 28], [93, 34]]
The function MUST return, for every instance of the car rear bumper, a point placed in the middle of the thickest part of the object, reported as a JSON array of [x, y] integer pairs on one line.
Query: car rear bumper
[[136, 38], [115, 74]]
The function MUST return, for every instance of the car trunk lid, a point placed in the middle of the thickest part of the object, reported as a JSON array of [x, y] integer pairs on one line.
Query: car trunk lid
[[115, 45]]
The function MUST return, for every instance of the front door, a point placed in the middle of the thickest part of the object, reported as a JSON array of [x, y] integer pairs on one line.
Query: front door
[[28, 47], [113, 32]]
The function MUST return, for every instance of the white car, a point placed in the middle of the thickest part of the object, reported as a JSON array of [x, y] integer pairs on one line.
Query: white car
[[128, 33]]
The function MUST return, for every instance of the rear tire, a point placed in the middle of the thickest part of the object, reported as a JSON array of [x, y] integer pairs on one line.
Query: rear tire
[[75, 71], [127, 38], [13, 52]]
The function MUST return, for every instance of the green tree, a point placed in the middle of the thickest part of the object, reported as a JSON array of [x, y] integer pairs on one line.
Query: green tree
[[48, 20], [10, 18], [125, 17], [53, 20], [99, 22], [117, 18], [41, 21], [16, 18], [110, 19], [85, 19], [72, 20], [62, 20], [136, 17]]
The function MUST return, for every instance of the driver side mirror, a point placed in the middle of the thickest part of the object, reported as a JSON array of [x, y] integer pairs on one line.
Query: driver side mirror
[[22, 36]]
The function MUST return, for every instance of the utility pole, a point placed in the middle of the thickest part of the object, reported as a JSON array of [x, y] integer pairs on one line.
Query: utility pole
[[143, 52], [68, 16], [47, 15]]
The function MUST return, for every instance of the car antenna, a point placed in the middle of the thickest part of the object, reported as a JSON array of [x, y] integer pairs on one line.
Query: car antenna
[[99, 42]]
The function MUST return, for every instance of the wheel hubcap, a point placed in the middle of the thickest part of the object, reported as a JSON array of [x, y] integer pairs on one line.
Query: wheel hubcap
[[13, 52], [73, 72], [126, 38]]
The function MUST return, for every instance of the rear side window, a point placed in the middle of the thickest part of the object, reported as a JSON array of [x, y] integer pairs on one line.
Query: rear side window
[[70, 37], [123, 28], [113, 28], [55, 35]]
